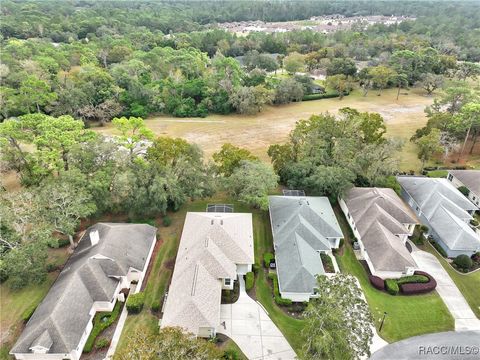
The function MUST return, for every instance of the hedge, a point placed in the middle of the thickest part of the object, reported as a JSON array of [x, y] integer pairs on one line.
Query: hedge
[[413, 279], [323, 96], [267, 259], [392, 286], [135, 302], [463, 262], [419, 288], [249, 280], [276, 292], [377, 282], [99, 325]]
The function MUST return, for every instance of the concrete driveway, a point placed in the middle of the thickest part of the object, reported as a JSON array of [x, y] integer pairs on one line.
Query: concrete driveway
[[440, 346], [464, 317], [248, 324]]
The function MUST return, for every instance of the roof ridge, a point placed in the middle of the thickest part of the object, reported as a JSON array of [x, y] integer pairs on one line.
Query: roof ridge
[[393, 246]]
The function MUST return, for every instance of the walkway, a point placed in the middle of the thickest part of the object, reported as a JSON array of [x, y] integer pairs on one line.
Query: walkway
[[440, 346], [464, 317], [248, 324]]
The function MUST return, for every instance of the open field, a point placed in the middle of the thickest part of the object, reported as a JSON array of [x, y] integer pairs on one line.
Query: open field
[[273, 124], [407, 316]]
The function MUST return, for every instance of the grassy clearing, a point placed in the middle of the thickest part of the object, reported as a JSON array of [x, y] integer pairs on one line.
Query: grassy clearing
[[468, 284], [291, 328], [407, 316], [273, 124]]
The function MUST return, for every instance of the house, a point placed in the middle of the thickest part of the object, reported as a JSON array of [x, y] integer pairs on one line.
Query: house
[[382, 223], [446, 212], [215, 248], [108, 258], [468, 178], [302, 228]]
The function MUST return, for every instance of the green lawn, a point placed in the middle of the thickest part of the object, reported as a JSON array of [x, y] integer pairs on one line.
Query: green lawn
[[407, 315], [468, 284], [290, 327]]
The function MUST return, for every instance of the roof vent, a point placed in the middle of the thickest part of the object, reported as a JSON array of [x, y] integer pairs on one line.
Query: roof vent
[[94, 237], [211, 223]]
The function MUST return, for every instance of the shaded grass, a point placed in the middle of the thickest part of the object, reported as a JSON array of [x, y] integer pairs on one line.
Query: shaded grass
[[232, 346], [407, 316], [468, 284]]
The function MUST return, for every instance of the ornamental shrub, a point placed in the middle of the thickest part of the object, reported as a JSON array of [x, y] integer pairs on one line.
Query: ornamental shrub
[[267, 259], [392, 286], [377, 282], [102, 343], [463, 262], [413, 279], [167, 221], [101, 321], [155, 306], [439, 249], [135, 302], [249, 280], [276, 292]]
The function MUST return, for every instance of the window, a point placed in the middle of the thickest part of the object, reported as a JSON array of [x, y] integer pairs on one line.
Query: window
[[227, 282], [450, 177]]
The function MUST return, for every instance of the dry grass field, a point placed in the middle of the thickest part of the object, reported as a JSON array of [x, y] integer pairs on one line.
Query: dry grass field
[[272, 125]]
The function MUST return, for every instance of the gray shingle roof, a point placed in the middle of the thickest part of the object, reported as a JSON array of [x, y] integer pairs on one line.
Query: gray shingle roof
[[379, 215], [59, 321], [445, 209], [301, 227], [470, 178], [211, 246]]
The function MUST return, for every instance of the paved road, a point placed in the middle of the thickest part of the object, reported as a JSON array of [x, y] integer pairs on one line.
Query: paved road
[[249, 325], [448, 345], [464, 317]]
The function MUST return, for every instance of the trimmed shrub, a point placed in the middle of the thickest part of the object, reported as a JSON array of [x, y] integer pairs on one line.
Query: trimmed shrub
[[101, 321], [135, 302], [255, 268], [464, 190], [155, 306], [276, 292], [419, 288], [267, 259], [392, 286], [249, 280], [377, 282], [27, 314], [51, 267], [463, 262], [413, 279], [63, 243], [102, 343], [166, 221], [439, 249]]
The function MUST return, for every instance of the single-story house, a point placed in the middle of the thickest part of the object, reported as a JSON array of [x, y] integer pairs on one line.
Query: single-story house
[[215, 248], [107, 259], [302, 228], [468, 178], [446, 212], [382, 223]]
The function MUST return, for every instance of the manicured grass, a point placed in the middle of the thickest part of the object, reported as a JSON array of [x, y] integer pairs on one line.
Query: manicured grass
[[468, 284], [290, 327], [407, 315], [438, 173]]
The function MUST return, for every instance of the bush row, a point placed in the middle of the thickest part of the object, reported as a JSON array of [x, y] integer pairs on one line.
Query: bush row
[[438, 248], [276, 292], [413, 279], [377, 282], [419, 288], [391, 286], [99, 325], [323, 96], [135, 302]]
